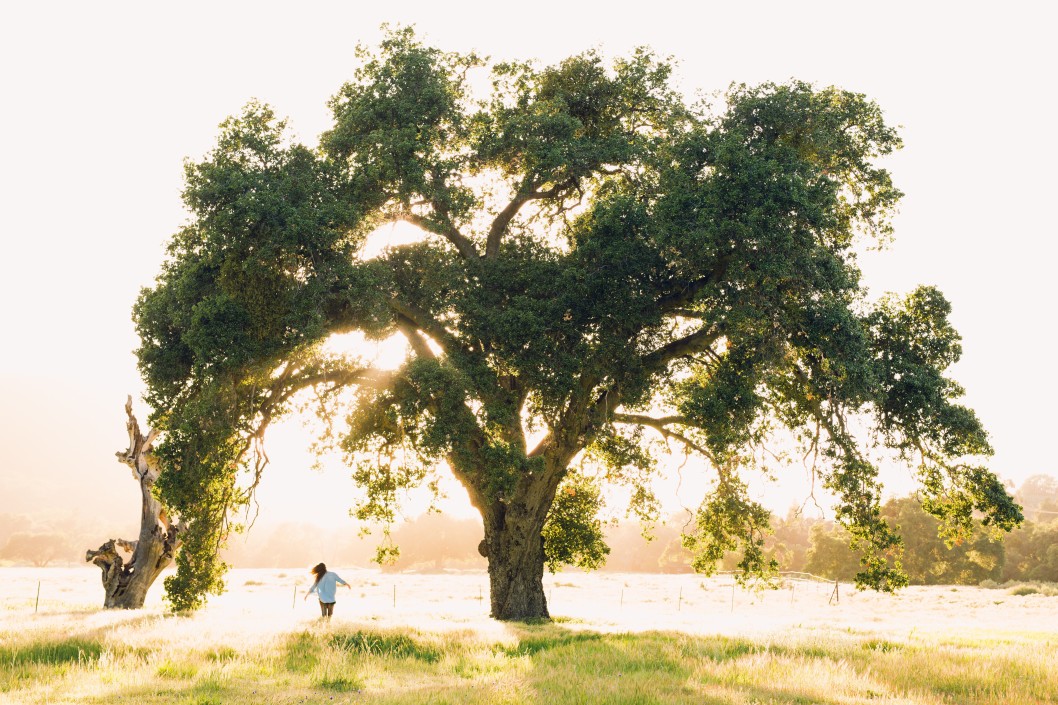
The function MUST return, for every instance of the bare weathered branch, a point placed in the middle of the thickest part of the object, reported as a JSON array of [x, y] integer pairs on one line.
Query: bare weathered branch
[[130, 567]]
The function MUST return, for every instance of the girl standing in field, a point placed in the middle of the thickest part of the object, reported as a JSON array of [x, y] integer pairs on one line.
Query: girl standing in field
[[325, 587]]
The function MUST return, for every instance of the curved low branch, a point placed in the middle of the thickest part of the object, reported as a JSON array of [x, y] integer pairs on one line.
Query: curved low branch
[[659, 425]]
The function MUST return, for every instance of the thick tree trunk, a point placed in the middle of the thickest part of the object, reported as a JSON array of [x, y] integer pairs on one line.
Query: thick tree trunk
[[131, 567], [514, 546]]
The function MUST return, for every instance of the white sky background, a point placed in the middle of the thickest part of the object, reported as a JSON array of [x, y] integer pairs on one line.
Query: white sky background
[[102, 101]]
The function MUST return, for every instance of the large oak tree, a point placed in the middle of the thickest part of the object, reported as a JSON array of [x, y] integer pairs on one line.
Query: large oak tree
[[602, 263]]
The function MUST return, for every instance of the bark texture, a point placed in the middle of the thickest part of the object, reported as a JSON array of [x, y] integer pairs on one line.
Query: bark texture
[[131, 567], [514, 546]]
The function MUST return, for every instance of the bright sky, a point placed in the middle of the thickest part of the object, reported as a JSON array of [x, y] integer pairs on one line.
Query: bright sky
[[102, 101]]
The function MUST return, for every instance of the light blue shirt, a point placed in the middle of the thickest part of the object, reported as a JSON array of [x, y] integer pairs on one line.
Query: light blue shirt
[[327, 586]]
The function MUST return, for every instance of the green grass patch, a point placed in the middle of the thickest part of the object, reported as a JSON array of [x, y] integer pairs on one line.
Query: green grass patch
[[222, 654], [338, 684], [44, 661], [301, 653], [385, 644], [721, 649], [881, 645], [204, 699], [538, 665], [1023, 590], [75, 650], [177, 671]]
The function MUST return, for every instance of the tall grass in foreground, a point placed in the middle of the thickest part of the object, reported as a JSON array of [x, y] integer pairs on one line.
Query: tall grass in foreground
[[546, 664]]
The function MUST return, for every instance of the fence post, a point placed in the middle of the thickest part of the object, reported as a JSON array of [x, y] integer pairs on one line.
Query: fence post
[[394, 595], [679, 603], [37, 603], [294, 601], [622, 597], [732, 597]]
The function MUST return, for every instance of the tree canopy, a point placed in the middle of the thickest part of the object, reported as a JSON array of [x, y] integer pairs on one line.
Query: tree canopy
[[603, 263]]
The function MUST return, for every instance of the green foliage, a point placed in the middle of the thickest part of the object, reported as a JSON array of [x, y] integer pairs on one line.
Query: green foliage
[[926, 556], [573, 534], [601, 262], [72, 650], [729, 521], [830, 556]]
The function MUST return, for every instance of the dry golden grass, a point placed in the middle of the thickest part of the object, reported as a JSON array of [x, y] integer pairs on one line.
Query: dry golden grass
[[968, 645]]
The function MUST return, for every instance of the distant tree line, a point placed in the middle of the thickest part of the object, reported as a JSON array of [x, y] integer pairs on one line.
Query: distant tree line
[[1030, 552], [47, 541], [434, 542]]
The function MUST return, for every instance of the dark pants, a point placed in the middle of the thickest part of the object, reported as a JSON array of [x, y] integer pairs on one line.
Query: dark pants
[[327, 608]]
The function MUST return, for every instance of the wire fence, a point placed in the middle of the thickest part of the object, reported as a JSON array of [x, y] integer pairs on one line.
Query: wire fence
[[465, 593]]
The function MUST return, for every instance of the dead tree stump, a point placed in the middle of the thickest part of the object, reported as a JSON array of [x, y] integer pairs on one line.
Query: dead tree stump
[[131, 567]]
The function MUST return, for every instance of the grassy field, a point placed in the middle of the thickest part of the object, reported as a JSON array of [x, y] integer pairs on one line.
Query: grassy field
[[77, 653]]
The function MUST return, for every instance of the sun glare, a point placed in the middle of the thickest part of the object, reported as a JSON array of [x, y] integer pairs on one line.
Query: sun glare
[[386, 354], [390, 235]]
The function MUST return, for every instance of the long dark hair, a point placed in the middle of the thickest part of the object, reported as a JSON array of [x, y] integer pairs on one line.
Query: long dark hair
[[319, 572]]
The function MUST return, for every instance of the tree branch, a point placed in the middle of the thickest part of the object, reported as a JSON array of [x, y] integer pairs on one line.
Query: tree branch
[[447, 230], [138, 457], [415, 339], [472, 479], [424, 322], [659, 426], [285, 386], [674, 301], [504, 218], [643, 420], [696, 342]]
